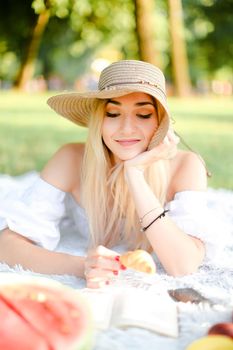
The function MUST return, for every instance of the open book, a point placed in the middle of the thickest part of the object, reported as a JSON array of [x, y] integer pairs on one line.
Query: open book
[[132, 307]]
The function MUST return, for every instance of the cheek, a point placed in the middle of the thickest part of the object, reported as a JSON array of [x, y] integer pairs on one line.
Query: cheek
[[151, 129]]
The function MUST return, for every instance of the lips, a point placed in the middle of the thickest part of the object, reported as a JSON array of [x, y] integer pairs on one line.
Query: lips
[[128, 142]]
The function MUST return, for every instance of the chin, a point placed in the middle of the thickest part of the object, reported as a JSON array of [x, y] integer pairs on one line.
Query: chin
[[127, 155]]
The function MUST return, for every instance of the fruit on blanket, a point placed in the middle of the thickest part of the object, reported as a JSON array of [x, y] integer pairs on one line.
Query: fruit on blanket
[[43, 317], [138, 260], [212, 342], [222, 328]]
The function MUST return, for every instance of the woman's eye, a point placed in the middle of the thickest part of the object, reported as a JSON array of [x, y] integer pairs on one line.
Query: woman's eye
[[144, 116], [112, 115]]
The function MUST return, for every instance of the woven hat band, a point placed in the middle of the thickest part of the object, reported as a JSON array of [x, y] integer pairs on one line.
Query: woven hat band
[[113, 86]]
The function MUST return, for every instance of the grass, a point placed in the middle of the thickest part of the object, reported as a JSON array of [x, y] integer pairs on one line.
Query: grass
[[30, 132]]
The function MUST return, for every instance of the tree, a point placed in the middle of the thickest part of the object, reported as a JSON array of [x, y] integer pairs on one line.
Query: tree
[[44, 10], [148, 52], [178, 49], [28, 65]]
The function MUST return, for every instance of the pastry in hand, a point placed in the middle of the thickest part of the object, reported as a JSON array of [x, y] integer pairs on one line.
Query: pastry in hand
[[138, 260]]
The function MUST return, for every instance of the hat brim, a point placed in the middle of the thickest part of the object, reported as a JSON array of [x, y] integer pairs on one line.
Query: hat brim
[[78, 107]]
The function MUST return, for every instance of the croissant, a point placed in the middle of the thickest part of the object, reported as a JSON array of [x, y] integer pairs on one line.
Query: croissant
[[138, 260]]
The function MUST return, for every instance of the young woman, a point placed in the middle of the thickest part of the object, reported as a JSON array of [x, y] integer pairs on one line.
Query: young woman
[[135, 187]]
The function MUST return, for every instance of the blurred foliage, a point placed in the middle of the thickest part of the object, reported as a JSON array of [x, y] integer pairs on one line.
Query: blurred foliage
[[209, 29], [16, 21], [76, 30], [79, 30]]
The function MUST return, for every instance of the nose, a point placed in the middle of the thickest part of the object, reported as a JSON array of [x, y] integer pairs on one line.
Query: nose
[[127, 124]]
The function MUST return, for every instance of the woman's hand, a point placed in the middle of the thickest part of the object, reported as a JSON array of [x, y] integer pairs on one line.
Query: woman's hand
[[101, 266], [145, 159]]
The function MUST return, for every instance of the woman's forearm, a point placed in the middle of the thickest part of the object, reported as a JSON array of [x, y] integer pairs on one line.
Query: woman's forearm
[[178, 252], [17, 250]]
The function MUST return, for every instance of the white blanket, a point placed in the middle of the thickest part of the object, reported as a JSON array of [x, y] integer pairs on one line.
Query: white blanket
[[214, 282]]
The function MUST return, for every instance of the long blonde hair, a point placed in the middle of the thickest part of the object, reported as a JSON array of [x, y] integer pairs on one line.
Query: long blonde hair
[[104, 193]]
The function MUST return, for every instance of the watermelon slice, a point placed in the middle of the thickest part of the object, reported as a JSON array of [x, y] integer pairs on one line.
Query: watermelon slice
[[43, 317]]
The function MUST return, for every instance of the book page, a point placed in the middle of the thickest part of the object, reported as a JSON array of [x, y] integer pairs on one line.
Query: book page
[[145, 309], [101, 304]]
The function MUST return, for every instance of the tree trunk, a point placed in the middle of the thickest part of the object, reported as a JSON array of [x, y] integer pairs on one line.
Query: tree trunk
[[178, 47], [28, 66], [144, 31]]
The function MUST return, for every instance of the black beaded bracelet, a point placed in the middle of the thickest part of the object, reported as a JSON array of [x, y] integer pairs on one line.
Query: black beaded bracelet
[[143, 229]]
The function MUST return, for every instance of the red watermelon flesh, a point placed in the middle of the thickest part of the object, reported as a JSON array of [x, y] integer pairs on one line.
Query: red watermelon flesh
[[47, 318], [10, 331]]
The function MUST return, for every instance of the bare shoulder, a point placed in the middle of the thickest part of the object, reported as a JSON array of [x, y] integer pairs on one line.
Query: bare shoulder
[[63, 169], [187, 172]]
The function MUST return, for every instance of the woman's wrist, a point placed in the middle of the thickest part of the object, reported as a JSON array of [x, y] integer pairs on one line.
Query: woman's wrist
[[76, 264], [134, 175], [133, 169]]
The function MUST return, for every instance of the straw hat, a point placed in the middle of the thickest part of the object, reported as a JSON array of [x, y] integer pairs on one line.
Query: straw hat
[[118, 79]]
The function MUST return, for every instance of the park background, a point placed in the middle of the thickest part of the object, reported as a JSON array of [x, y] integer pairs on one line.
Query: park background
[[48, 46]]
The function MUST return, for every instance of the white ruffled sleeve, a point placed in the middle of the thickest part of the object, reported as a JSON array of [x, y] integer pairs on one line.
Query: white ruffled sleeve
[[189, 210], [36, 214]]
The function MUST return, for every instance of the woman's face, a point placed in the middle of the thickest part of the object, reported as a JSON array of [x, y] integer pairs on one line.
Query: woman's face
[[129, 124]]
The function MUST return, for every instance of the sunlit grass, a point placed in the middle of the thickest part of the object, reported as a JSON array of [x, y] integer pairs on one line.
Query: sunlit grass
[[30, 132]]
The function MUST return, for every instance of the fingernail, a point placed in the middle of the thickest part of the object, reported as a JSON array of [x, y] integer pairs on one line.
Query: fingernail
[[117, 258], [123, 267], [115, 272]]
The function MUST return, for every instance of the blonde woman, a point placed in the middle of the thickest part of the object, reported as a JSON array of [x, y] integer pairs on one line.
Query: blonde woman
[[136, 189]]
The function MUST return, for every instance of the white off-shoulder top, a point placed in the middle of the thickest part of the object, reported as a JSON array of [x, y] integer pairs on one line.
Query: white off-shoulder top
[[53, 219]]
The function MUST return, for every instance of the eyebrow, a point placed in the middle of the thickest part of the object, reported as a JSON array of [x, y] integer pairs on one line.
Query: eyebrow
[[143, 103]]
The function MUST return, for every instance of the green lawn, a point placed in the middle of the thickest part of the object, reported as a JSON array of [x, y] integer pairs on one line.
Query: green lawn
[[30, 133]]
